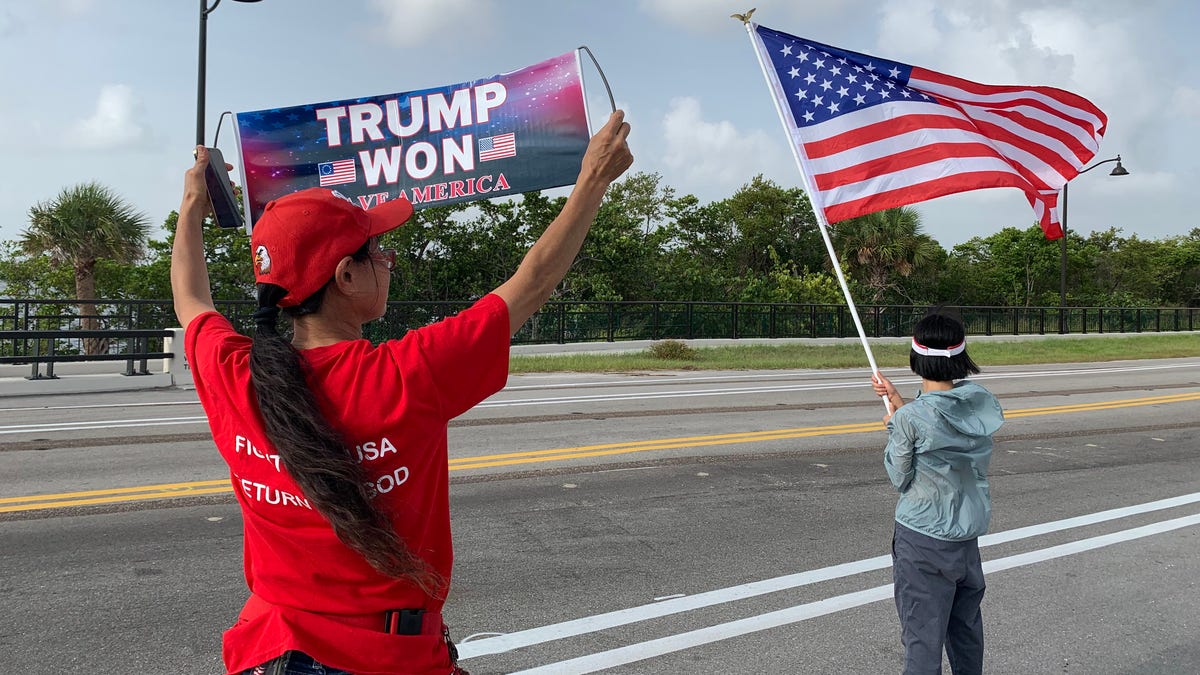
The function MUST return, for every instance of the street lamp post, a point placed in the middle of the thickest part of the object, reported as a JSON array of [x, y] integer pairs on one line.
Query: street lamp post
[[1118, 170], [205, 10]]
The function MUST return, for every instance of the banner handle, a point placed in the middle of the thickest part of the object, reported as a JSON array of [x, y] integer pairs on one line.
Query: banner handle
[[217, 136], [611, 101]]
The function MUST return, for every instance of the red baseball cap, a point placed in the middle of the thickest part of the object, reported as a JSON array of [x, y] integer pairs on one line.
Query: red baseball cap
[[300, 238]]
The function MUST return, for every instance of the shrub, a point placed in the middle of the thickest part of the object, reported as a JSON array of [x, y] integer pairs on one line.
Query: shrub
[[673, 350]]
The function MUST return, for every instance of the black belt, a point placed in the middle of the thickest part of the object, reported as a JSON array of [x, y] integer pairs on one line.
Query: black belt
[[403, 621]]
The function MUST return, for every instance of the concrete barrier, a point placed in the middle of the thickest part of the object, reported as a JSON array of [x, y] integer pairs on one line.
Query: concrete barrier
[[100, 376]]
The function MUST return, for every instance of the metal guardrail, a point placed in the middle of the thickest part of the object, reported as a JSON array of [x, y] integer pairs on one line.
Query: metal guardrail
[[570, 321], [37, 347]]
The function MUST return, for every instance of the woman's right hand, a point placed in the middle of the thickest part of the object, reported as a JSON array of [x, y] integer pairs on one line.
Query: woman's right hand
[[608, 155], [885, 389], [882, 385]]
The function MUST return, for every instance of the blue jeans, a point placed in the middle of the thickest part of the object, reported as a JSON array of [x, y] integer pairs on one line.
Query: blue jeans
[[293, 663]]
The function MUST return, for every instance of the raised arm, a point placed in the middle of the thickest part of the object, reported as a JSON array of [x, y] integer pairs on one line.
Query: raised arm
[[551, 255], [189, 272]]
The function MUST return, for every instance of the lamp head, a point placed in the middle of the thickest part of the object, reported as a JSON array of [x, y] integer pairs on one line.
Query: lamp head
[[1118, 170]]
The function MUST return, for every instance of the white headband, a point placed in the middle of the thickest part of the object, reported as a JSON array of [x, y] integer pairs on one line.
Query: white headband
[[930, 351]]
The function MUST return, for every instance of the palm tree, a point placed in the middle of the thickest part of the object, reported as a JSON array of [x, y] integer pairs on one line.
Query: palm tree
[[84, 224], [882, 247]]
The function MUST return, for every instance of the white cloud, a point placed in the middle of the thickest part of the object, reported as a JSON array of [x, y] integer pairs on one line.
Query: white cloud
[[116, 123], [911, 26], [696, 15], [711, 16], [715, 158], [985, 41], [75, 7], [1101, 56], [1185, 102], [406, 23], [10, 25]]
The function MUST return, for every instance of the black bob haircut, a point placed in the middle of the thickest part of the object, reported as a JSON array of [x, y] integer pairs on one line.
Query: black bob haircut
[[940, 331]]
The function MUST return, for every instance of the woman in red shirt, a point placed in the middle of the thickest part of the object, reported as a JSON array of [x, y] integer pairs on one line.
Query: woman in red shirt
[[337, 447]]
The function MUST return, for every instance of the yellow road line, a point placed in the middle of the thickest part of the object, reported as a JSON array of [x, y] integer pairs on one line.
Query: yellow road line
[[168, 494], [1101, 405], [121, 491], [665, 444], [662, 443], [212, 487]]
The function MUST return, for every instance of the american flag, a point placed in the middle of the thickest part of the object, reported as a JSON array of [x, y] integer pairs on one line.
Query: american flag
[[337, 172], [875, 134], [497, 147]]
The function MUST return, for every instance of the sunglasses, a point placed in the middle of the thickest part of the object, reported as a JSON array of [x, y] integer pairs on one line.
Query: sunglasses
[[387, 256]]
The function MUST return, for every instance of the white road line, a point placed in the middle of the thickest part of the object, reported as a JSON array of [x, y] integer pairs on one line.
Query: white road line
[[90, 406], [678, 380], [101, 424], [590, 624], [849, 384], [635, 396], [674, 643], [552, 400], [651, 379]]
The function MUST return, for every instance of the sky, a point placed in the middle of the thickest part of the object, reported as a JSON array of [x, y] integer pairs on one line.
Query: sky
[[106, 91]]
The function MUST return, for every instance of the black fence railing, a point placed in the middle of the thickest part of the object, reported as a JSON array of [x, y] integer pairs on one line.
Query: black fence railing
[[37, 348], [564, 322]]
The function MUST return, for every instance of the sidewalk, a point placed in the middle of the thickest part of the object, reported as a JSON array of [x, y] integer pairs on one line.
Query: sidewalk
[[90, 378]]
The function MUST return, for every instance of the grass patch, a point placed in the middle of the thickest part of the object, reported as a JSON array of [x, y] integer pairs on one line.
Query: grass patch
[[850, 355], [672, 350]]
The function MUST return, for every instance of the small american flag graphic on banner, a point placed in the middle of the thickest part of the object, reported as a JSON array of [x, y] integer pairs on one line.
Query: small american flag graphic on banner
[[337, 172], [497, 147]]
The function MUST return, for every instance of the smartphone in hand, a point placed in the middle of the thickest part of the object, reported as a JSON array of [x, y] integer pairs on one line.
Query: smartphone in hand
[[220, 192]]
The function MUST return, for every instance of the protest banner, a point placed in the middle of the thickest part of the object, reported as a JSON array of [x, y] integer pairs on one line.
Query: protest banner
[[515, 132]]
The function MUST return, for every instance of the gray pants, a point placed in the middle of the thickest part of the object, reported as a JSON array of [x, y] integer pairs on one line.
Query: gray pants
[[938, 585]]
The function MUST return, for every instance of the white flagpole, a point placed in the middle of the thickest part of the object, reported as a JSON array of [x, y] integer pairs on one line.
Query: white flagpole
[[813, 199]]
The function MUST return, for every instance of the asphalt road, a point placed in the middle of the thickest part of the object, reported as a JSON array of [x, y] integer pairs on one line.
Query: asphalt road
[[677, 523]]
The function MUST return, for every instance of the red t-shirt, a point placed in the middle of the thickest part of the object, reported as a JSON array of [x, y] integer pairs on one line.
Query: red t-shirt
[[392, 403]]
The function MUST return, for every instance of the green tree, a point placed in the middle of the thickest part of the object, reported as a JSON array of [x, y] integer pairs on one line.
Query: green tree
[[726, 249], [697, 240], [884, 248], [421, 247], [789, 284], [621, 257], [643, 196], [83, 225], [1181, 282], [33, 276], [769, 217], [1109, 269], [226, 251], [1015, 268]]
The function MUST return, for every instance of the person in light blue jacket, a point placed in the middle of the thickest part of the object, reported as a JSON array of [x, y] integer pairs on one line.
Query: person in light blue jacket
[[937, 456]]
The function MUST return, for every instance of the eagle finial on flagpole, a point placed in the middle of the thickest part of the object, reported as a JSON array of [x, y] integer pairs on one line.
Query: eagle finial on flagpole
[[744, 18]]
